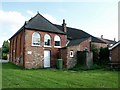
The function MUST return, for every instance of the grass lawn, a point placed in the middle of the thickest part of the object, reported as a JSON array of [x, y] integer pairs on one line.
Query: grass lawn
[[16, 77]]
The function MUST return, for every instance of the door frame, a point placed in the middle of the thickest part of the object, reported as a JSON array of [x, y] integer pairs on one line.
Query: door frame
[[49, 58]]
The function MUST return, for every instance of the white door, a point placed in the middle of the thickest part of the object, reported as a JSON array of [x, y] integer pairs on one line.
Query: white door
[[46, 58]]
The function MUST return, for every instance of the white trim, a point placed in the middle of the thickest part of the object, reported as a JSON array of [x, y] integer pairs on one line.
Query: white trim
[[58, 39], [67, 42], [33, 36], [46, 46], [114, 45], [35, 45], [47, 58], [72, 53], [57, 46], [46, 38]]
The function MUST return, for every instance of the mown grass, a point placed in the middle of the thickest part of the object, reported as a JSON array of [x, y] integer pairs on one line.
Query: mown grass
[[17, 77]]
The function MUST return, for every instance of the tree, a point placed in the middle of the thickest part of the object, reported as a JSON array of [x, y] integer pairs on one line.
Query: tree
[[5, 49], [104, 55], [95, 51], [0, 53]]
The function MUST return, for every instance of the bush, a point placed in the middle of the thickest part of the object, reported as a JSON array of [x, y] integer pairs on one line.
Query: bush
[[100, 56], [104, 56], [85, 68], [4, 56], [95, 51]]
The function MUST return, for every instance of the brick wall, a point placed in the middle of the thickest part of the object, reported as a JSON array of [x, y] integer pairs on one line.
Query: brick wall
[[116, 54], [72, 61], [36, 58], [63, 56], [16, 49], [99, 45]]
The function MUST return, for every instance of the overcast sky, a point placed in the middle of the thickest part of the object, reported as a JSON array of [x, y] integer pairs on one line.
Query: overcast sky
[[95, 18]]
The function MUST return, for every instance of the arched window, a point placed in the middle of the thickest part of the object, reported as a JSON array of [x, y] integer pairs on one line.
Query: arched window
[[47, 40], [57, 40], [36, 39]]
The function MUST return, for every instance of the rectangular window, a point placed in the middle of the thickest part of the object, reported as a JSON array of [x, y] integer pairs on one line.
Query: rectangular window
[[36, 42], [57, 43], [47, 42], [71, 54]]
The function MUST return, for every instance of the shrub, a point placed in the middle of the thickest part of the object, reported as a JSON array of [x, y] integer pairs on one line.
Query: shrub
[[104, 56], [95, 51], [4, 56], [85, 68]]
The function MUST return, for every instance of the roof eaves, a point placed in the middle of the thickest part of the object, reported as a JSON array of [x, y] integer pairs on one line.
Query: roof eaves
[[44, 30], [79, 41], [114, 45], [22, 28]]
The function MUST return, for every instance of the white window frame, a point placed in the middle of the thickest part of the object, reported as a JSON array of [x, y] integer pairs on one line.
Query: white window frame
[[72, 53], [47, 35], [57, 38], [36, 38]]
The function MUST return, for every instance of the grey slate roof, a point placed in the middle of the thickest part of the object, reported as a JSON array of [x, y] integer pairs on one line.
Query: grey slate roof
[[38, 22], [108, 41], [76, 42], [73, 34], [115, 45]]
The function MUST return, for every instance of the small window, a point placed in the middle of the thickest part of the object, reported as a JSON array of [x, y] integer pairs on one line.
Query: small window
[[86, 49], [57, 41], [35, 39], [47, 40], [71, 53]]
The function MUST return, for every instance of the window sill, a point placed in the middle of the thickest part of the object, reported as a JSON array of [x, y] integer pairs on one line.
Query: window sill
[[57, 46], [47, 46], [35, 45]]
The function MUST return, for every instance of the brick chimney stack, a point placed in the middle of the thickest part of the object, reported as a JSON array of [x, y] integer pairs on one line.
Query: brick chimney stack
[[101, 36], [114, 39], [64, 26]]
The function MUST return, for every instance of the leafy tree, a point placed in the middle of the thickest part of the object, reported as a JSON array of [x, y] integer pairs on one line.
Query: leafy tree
[[104, 55], [5, 49], [95, 51], [0, 53]]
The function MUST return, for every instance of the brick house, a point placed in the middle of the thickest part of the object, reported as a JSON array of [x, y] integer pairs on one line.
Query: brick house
[[108, 42], [37, 44], [115, 53], [73, 34], [69, 53]]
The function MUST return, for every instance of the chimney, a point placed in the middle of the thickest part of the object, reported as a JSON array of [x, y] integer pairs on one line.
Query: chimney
[[37, 12], [64, 26], [114, 39], [101, 36], [25, 22]]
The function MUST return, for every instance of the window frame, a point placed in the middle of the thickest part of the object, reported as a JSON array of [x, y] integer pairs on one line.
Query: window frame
[[56, 36], [71, 51], [37, 38], [48, 39]]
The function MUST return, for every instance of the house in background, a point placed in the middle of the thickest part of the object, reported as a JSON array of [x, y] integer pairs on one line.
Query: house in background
[[115, 54], [39, 43], [107, 41]]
